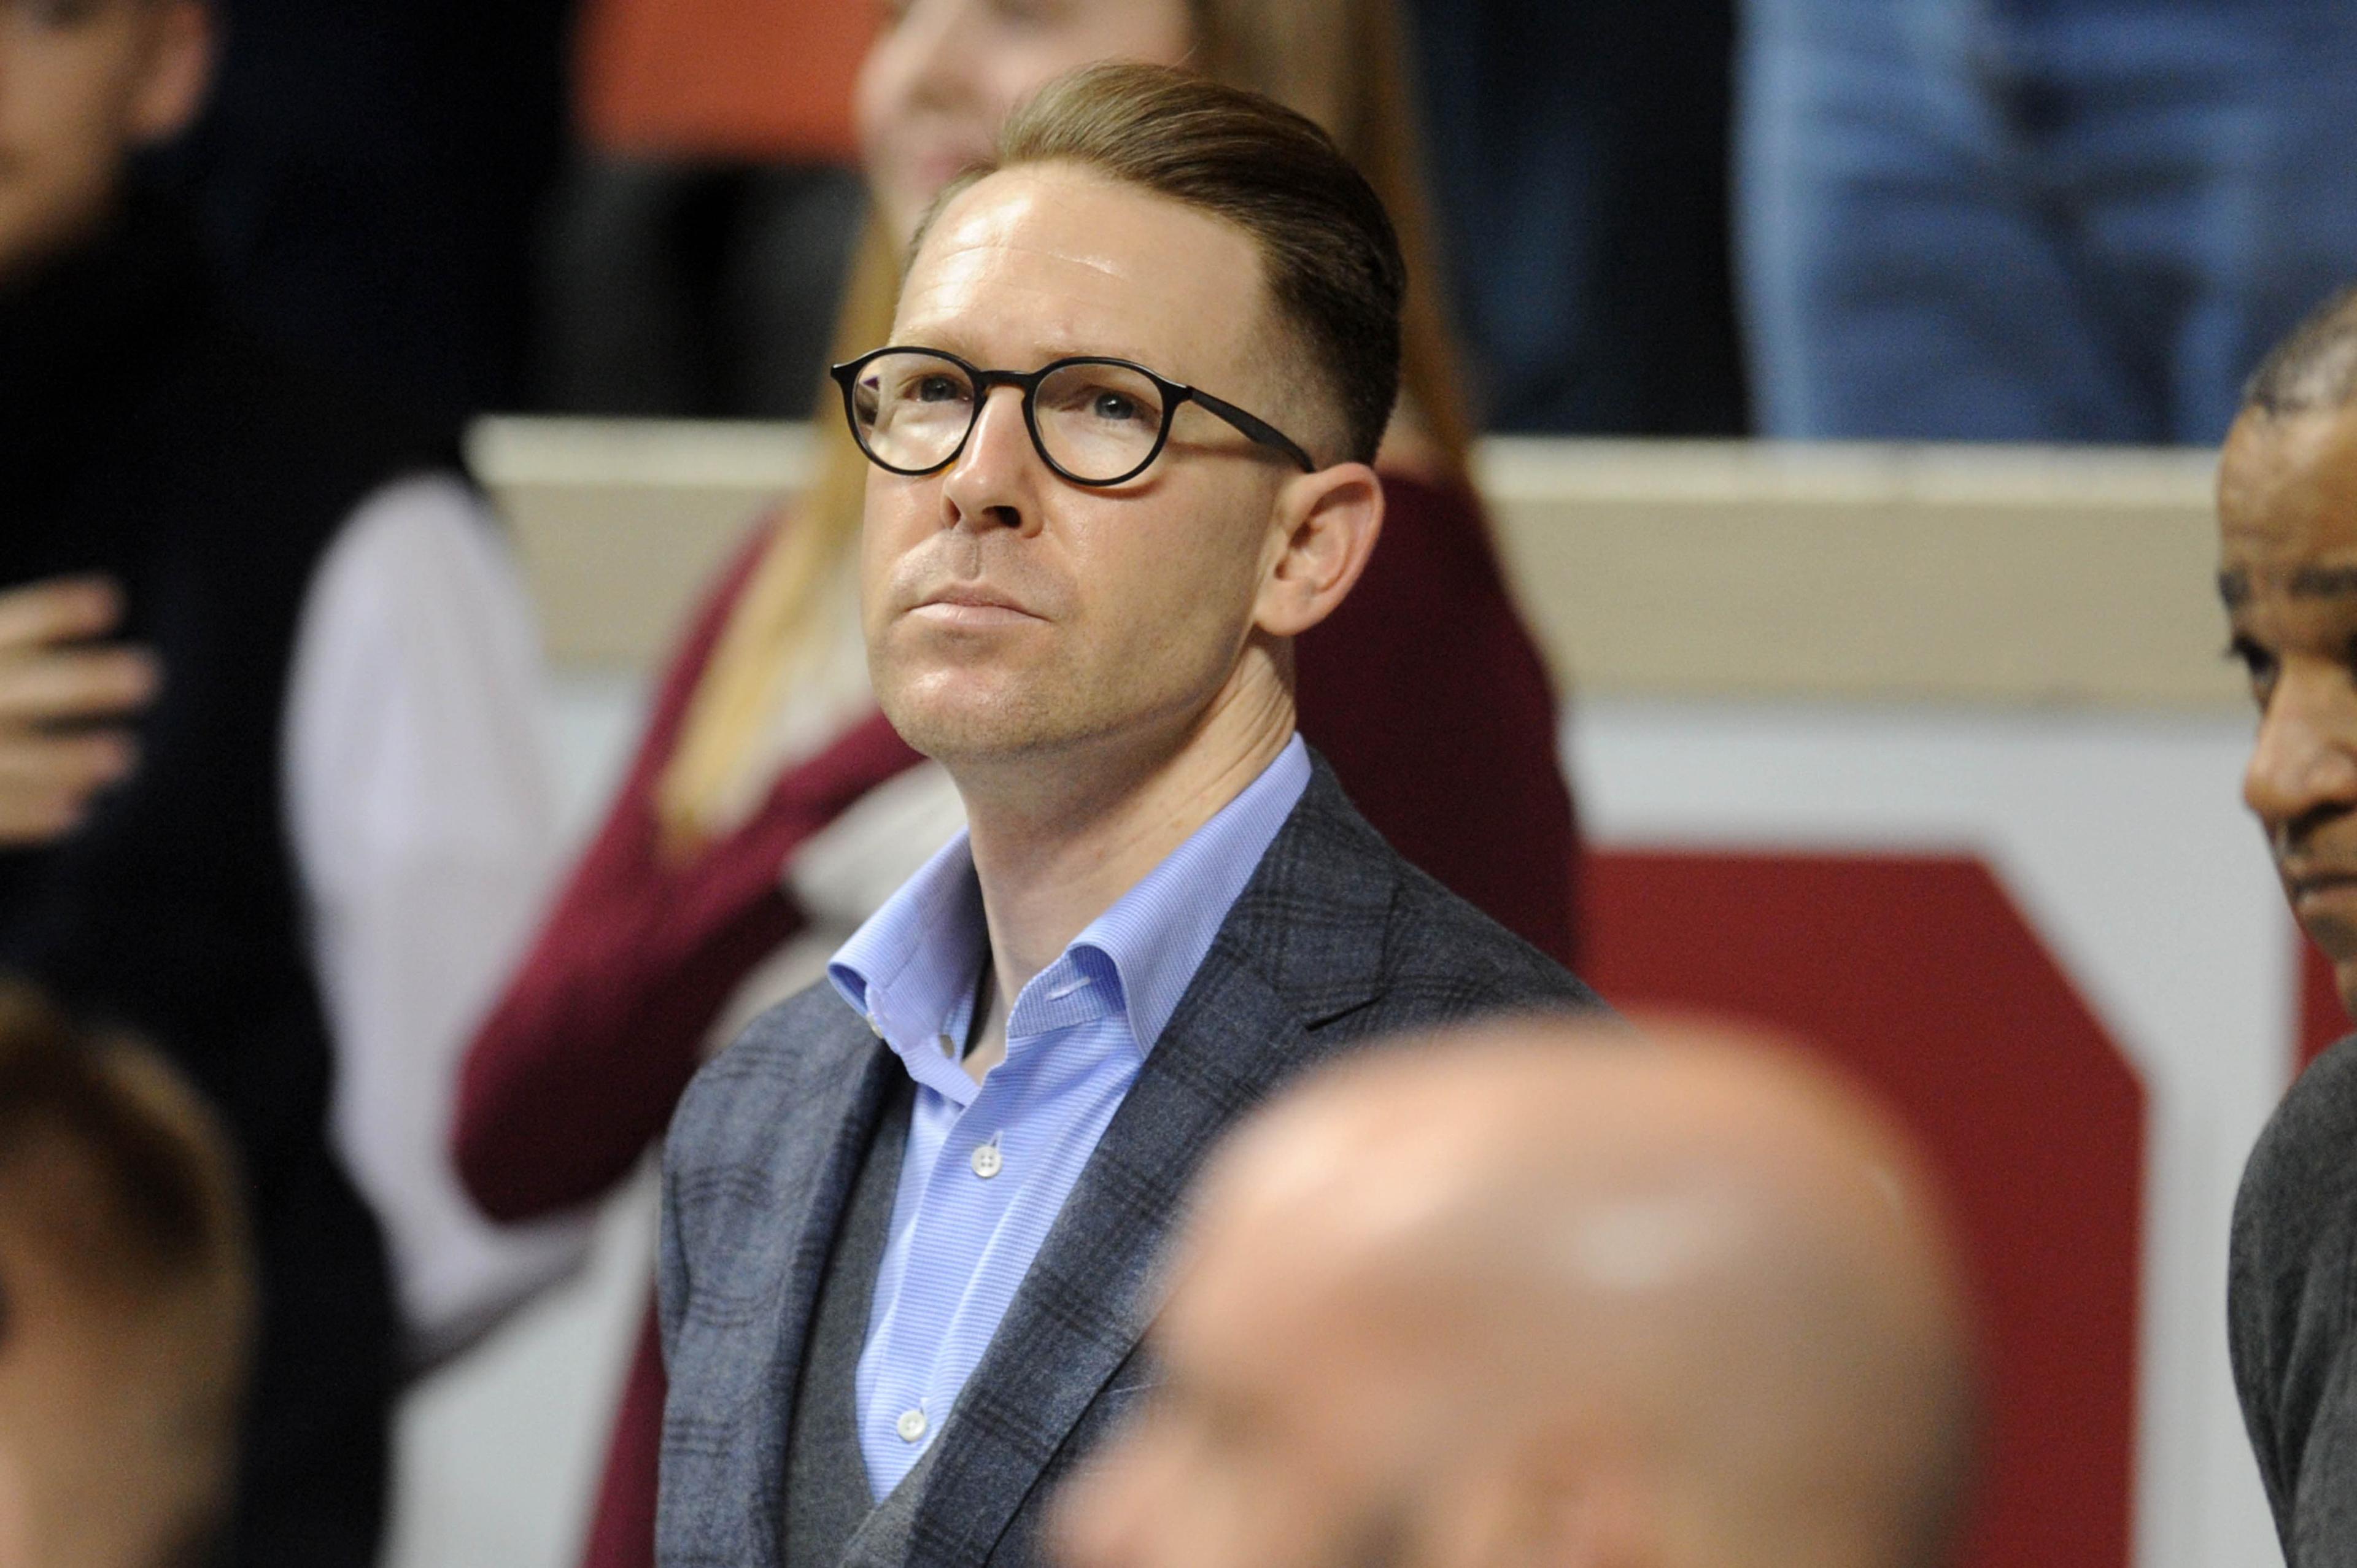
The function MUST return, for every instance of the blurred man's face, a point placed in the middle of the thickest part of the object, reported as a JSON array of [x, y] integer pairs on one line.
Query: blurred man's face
[[944, 74], [1282, 1436], [93, 1471], [16, 1514], [1011, 612], [2287, 504], [82, 83]]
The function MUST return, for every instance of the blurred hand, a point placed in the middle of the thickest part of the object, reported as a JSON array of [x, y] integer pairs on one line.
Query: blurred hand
[[55, 687]]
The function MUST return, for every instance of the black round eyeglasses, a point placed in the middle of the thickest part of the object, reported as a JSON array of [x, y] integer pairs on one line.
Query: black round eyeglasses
[[1095, 420]]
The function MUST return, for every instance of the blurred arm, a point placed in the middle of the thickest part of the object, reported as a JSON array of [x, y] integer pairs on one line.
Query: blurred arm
[[577, 1069]]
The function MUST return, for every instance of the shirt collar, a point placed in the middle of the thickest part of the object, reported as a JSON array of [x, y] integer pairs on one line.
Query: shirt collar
[[910, 969], [1155, 935], [912, 965]]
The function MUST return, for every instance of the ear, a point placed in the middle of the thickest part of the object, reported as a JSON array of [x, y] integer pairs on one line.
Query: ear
[[176, 72], [1324, 530]]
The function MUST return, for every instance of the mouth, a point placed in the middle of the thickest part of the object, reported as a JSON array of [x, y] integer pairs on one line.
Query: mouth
[[2322, 888], [971, 608]]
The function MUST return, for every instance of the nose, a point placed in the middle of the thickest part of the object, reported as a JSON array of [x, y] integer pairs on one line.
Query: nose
[[995, 481], [2305, 760]]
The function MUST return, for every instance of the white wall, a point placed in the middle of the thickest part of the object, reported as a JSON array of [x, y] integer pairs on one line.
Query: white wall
[[2124, 840]]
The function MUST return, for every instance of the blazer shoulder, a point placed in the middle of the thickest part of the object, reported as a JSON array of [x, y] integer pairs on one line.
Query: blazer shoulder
[[1435, 934], [2288, 1306], [1340, 922], [2299, 1186], [736, 1102]]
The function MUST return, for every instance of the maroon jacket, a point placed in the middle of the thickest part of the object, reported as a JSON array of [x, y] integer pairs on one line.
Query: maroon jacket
[[1424, 691]]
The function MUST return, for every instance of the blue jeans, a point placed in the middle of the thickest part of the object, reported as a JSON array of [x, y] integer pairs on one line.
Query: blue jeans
[[2037, 219]]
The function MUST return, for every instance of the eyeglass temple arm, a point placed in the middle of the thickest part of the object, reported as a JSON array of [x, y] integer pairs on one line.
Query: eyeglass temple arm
[[1260, 430]]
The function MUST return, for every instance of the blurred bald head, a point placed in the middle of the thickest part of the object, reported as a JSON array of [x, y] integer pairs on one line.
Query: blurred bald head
[[1545, 1294]]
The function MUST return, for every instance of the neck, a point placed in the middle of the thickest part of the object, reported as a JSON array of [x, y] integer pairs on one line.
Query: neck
[[1057, 841]]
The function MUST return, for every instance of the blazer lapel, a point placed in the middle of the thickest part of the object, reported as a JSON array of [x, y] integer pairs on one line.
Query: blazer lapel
[[1246, 1022], [828, 1106]]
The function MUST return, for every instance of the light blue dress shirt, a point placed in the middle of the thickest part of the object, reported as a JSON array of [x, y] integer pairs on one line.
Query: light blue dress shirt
[[989, 1166]]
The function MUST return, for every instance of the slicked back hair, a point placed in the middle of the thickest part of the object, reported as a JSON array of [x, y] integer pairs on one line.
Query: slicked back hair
[[2315, 366], [1330, 257]]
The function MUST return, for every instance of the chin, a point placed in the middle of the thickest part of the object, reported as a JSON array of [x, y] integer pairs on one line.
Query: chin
[[955, 722]]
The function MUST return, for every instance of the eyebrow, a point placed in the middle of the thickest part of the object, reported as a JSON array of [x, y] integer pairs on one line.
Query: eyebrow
[[2323, 582], [2306, 582], [953, 341]]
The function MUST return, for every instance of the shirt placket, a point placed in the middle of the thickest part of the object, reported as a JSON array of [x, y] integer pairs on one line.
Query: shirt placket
[[972, 1188]]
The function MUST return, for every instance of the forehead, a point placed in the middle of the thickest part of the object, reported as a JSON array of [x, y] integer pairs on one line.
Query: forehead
[[1285, 1271], [2287, 506], [1038, 263]]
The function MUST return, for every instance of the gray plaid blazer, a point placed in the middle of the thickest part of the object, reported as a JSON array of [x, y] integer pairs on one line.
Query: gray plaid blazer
[[1334, 942]]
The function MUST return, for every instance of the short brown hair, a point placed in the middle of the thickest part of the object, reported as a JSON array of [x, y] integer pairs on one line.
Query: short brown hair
[[1334, 269], [122, 1228]]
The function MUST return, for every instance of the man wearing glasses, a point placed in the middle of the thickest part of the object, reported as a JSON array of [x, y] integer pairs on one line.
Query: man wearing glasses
[[1120, 444]]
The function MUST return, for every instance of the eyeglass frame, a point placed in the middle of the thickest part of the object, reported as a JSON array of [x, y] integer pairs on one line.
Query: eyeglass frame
[[1174, 393]]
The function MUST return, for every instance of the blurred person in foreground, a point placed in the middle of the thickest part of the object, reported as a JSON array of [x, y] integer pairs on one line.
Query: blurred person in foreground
[[126, 1302], [770, 808], [1537, 1293], [2059, 220], [1580, 162], [1123, 431], [294, 824], [2288, 507]]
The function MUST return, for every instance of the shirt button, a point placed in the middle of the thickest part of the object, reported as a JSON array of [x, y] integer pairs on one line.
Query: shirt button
[[874, 1027], [912, 1426], [986, 1161]]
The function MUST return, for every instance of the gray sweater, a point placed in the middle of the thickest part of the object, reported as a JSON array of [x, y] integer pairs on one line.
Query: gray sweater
[[2291, 1297]]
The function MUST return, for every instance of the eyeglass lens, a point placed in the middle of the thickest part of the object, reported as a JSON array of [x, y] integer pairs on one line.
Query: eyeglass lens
[[1095, 422]]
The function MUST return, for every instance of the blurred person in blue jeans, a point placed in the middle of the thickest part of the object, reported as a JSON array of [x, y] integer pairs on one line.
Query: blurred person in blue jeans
[[1580, 167], [2036, 219]]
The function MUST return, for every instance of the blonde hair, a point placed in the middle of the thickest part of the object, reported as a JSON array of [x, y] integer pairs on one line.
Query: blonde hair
[[1344, 64]]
